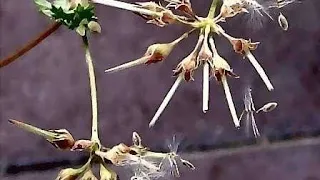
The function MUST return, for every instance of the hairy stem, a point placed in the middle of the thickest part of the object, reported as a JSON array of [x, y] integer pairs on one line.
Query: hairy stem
[[213, 8], [93, 90], [11, 58]]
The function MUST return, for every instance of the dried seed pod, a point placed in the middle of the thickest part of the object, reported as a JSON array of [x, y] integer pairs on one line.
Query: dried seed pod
[[60, 138], [154, 53], [283, 23]]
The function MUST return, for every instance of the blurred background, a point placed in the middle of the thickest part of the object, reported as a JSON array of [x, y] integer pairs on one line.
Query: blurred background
[[48, 87]]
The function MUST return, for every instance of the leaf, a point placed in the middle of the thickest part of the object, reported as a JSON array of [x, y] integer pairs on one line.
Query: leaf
[[64, 4], [42, 4]]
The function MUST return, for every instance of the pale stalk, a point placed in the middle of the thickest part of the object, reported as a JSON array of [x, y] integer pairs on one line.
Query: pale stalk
[[229, 100], [166, 100], [126, 6], [213, 8], [260, 70], [205, 92], [128, 65], [93, 91]]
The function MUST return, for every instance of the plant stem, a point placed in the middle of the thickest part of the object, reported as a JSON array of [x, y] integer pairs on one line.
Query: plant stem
[[30, 45], [213, 8], [93, 91]]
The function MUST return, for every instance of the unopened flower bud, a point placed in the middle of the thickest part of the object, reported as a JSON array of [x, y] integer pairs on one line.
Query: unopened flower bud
[[94, 26], [106, 173], [88, 175], [69, 174]]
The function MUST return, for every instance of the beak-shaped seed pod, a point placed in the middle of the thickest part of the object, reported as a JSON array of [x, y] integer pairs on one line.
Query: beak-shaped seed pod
[[221, 70], [70, 174], [166, 100], [155, 53], [244, 47], [106, 173], [60, 138]]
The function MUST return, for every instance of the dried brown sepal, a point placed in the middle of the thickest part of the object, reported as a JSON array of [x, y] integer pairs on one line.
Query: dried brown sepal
[[221, 68], [187, 67], [116, 154], [164, 17], [231, 8], [183, 6], [242, 46], [82, 145]]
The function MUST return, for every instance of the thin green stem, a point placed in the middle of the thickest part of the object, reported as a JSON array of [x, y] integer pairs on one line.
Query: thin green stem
[[213, 8], [93, 91]]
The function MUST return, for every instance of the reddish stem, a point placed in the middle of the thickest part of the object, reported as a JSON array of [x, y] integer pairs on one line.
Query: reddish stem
[[11, 58]]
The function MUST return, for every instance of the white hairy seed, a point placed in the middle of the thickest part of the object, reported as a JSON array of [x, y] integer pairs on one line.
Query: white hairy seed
[[268, 107], [283, 23]]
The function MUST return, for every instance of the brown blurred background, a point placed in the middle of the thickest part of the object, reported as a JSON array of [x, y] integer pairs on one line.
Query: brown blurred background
[[48, 87]]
